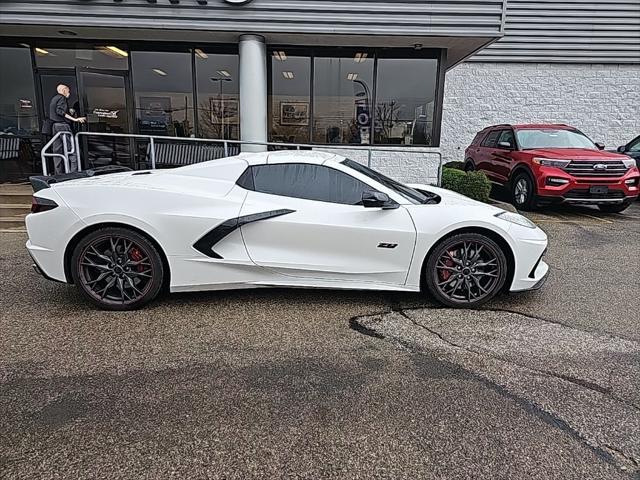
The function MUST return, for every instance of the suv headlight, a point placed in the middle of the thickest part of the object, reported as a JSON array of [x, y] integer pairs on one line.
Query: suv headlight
[[629, 162], [516, 218], [551, 162]]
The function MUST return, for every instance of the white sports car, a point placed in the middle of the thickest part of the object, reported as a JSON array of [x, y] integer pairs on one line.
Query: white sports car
[[275, 219]]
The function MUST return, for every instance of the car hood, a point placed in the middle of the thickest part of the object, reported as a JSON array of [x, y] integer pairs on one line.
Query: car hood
[[576, 154], [448, 197]]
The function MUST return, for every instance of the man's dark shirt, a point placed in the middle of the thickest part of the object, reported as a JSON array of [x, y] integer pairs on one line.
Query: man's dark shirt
[[57, 108]]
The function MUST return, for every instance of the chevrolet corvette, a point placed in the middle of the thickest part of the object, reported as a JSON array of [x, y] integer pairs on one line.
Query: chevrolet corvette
[[275, 219]]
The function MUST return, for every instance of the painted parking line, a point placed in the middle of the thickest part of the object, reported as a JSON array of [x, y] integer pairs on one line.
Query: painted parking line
[[574, 218]]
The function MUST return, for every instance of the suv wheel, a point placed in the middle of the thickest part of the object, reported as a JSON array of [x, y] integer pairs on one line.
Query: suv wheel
[[117, 268], [523, 194], [616, 208]]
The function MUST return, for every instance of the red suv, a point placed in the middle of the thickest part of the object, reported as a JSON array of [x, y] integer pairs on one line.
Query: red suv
[[543, 164]]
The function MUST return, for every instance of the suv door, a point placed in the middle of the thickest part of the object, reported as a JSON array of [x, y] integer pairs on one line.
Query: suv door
[[326, 232], [501, 159], [486, 151]]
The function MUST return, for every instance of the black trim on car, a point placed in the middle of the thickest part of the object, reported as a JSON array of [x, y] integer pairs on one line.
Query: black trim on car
[[206, 243]]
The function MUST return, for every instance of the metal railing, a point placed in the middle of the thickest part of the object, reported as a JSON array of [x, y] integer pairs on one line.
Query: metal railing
[[367, 153], [69, 147]]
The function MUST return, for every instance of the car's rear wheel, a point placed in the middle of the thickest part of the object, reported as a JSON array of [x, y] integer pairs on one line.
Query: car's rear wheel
[[469, 166], [523, 194], [117, 268], [616, 208], [466, 270]]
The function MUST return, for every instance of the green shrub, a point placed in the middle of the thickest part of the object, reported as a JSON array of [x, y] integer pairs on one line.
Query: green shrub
[[475, 185], [456, 165]]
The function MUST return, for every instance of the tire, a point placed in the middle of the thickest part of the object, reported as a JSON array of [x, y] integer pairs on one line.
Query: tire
[[617, 208], [125, 280], [469, 166], [523, 192], [476, 283]]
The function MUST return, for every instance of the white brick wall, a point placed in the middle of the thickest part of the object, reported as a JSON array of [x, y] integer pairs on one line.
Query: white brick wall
[[601, 100]]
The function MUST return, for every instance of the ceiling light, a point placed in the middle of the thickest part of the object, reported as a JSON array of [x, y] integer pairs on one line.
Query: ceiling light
[[201, 54], [41, 51], [287, 75], [68, 33], [117, 51], [224, 73], [360, 57], [26, 45], [280, 55], [162, 73], [352, 76]]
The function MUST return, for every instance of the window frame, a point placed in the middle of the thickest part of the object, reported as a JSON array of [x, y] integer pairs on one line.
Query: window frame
[[247, 181]]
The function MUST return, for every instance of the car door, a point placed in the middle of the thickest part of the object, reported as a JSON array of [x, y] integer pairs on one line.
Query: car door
[[318, 228], [485, 152], [501, 155]]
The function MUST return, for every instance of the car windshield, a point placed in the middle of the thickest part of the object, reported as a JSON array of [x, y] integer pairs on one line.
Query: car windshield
[[531, 138], [411, 194]]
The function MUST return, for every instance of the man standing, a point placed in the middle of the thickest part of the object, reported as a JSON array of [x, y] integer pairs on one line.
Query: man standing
[[61, 120]]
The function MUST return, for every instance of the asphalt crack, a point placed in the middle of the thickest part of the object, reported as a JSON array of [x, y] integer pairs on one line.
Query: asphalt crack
[[607, 452]]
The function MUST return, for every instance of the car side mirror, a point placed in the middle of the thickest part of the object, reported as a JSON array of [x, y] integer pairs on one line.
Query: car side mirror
[[506, 145], [600, 145], [372, 199], [622, 148]]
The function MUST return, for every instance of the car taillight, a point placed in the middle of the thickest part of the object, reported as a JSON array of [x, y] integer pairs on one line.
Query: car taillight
[[42, 204]]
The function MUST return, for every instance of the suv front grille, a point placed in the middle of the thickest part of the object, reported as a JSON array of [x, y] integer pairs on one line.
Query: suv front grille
[[595, 168], [583, 193]]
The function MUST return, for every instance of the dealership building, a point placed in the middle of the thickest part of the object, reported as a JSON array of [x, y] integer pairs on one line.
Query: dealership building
[[406, 79]]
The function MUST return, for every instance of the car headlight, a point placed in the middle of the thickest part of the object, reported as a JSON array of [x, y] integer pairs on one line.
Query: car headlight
[[516, 218], [551, 162], [629, 162]]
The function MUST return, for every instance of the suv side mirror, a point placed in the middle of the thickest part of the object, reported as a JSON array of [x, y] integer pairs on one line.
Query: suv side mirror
[[506, 145], [600, 145], [372, 199], [622, 148]]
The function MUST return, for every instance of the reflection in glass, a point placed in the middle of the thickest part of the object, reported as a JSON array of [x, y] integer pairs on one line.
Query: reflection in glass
[[18, 112], [342, 99], [163, 89], [405, 96], [218, 95], [289, 98], [100, 56]]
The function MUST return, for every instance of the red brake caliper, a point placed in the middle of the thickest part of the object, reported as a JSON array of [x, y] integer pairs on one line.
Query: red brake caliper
[[445, 274], [136, 256]]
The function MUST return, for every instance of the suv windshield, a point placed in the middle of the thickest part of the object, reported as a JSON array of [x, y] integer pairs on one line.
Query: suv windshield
[[530, 138], [411, 194]]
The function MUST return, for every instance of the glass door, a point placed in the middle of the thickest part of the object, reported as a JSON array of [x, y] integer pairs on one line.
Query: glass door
[[105, 103]]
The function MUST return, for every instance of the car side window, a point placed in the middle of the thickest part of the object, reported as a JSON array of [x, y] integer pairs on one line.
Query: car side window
[[491, 139], [306, 181], [507, 136], [635, 145]]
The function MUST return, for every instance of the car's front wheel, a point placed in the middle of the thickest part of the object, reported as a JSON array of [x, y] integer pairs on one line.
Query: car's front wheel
[[117, 268], [523, 194], [616, 208], [465, 270]]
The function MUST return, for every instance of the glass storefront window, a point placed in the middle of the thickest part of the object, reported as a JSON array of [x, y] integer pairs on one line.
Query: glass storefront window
[[218, 94], [342, 93], [18, 110], [405, 99], [163, 89], [289, 98], [112, 57]]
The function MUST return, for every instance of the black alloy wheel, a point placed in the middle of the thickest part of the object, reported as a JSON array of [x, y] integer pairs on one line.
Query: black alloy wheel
[[117, 269], [466, 270], [614, 208], [523, 194]]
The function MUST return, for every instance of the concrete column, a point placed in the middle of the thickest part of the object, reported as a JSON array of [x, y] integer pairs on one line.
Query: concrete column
[[253, 91]]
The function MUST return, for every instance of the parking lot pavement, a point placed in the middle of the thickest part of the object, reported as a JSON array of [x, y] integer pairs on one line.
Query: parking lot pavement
[[317, 384]]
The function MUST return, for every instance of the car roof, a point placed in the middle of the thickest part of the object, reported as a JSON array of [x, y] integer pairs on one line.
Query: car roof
[[524, 126], [289, 156]]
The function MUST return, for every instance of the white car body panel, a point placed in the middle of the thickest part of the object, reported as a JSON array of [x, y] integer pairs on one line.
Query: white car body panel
[[317, 244]]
